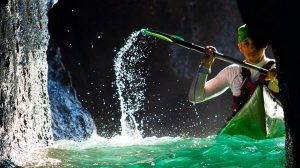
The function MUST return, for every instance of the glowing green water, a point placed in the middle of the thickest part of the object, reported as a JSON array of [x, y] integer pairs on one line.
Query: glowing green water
[[216, 151]]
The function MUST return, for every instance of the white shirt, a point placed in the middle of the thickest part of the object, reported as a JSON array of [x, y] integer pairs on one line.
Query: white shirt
[[229, 77]]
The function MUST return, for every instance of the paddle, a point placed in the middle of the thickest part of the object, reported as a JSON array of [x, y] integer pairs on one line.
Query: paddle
[[180, 41]]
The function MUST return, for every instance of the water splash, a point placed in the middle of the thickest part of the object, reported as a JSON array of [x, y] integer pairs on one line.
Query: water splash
[[130, 84]]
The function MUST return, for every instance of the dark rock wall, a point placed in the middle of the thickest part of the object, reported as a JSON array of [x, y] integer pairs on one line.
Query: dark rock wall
[[28, 121], [24, 104], [69, 119], [272, 22]]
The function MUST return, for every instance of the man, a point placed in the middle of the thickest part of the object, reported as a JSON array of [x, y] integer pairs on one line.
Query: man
[[241, 81]]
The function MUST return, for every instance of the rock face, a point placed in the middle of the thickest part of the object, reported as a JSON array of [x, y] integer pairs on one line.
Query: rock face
[[25, 118], [28, 120], [69, 119]]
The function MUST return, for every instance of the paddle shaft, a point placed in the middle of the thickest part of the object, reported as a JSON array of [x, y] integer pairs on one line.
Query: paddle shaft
[[217, 54], [221, 56]]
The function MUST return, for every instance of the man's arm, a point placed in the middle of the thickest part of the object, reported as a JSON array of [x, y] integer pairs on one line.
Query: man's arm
[[196, 93], [201, 90]]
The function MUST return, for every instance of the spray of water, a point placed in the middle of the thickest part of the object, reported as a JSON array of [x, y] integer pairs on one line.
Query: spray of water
[[130, 84]]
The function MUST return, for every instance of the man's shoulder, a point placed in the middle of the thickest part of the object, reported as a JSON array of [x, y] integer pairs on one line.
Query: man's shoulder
[[231, 71], [233, 67]]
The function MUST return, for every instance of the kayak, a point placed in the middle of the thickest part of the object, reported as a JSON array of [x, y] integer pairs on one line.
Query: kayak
[[261, 117]]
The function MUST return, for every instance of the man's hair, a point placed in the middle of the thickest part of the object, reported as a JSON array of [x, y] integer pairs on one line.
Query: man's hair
[[242, 33]]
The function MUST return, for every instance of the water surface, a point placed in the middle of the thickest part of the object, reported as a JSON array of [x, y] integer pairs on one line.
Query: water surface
[[214, 151]]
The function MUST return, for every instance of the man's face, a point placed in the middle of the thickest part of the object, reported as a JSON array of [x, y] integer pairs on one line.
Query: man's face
[[251, 54]]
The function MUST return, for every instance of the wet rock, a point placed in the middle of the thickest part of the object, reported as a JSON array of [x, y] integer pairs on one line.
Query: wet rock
[[69, 119]]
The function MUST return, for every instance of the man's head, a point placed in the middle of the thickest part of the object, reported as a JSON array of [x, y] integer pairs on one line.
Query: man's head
[[251, 53]]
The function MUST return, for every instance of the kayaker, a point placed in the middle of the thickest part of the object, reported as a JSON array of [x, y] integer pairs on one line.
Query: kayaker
[[241, 81]]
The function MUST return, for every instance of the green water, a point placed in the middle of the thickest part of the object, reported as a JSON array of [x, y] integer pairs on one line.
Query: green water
[[215, 151]]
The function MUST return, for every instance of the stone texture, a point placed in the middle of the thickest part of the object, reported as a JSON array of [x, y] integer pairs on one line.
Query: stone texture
[[28, 121], [24, 103], [69, 119]]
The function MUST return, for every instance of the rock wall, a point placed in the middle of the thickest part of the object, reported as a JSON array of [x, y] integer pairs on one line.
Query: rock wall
[[272, 22], [25, 118], [69, 119], [37, 104]]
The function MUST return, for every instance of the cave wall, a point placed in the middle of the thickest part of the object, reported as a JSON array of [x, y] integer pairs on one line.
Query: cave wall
[[70, 120], [25, 119], [272, 22], [38, 103]]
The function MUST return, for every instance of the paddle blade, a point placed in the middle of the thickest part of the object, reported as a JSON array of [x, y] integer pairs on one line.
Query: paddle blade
[[161, 35]]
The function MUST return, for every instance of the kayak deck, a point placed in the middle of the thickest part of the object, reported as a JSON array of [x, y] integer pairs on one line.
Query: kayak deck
[[261, 117]]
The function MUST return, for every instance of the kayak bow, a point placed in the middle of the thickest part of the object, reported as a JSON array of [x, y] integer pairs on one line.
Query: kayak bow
[[261, 117], [180, 41]]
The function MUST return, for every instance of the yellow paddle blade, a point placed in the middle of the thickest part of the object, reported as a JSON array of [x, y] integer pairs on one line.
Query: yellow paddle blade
[[160, 35]]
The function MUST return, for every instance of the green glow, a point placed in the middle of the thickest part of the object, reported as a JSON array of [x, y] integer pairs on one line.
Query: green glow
[[215, 151], [160, 35]]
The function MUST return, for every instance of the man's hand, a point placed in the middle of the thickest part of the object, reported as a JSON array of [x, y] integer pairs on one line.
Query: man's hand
[[209, 56], [271, 74], [273, 81]]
